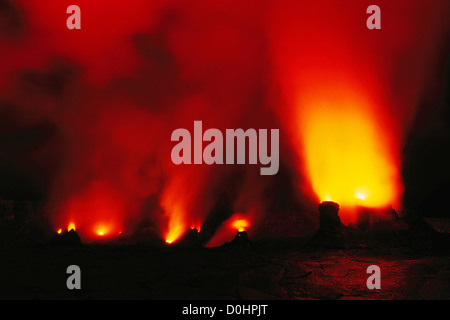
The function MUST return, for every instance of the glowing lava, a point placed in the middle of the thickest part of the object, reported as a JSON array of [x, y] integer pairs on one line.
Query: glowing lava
[[176, 229], [71, 226], [237, 223], [102, 230], [241, 225], [347, 152]]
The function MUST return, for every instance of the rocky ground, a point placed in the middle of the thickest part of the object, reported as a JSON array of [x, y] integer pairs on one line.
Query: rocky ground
[[411, 268]]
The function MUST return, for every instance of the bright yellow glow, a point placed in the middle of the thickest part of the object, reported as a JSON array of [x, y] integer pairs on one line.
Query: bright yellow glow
[[71, 226], [327, 197], [360, 196], [174, 233], [240, 225], [176, 225], [59, 231], [102, 230], [345, 150]]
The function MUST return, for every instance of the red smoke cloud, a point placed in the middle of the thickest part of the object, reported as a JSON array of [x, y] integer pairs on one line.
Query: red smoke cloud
[[353, 92], [114, 91]]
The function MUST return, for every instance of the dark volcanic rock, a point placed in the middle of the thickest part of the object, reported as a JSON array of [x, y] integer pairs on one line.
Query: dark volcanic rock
[[144, 236], [332, 232], [241, 238], [190, 239], [329, 215], [70, 238]]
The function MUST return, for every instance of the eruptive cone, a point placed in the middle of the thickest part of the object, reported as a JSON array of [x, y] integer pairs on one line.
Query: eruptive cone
[[332, 232], [382, 218], [241, 238], [68, 238], [191, 238], [329, 215]]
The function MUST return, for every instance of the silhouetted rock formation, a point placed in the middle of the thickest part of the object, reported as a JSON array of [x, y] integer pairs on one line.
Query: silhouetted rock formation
[[191, 238], [70, 238], [332, 232], [143, 236], [241, 238], [329, 215]]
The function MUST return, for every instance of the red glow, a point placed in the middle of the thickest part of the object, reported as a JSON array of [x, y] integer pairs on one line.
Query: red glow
[[240, 225], [237, 223], [347, 102], [91, 208], [197, 226], [105, 230], [341, 95]]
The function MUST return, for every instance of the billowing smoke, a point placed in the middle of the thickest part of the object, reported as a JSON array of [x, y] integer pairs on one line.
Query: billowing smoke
[[351, 95], [87, 115]]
